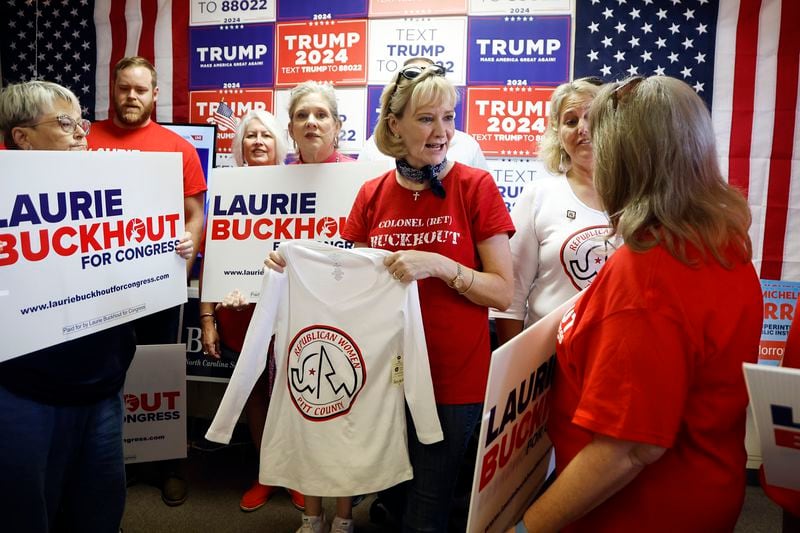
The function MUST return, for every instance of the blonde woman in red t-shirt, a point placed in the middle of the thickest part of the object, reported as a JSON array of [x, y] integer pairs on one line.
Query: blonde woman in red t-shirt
[[448, 229]]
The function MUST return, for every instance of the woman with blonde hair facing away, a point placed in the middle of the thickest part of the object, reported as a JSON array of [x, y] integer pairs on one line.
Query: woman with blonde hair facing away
[[648, 408], [560, 242], [314, 123], [258, 141]]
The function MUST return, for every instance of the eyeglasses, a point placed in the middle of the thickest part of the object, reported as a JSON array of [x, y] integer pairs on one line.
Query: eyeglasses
[[412, 72], [624, 89], [68, 124]]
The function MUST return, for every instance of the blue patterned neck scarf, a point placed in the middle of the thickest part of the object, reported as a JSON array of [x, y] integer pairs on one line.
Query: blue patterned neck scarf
[[429, 173]]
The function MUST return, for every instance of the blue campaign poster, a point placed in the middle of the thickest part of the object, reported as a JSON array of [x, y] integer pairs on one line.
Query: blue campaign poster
[[518, 50], [232, 57], [321, 9]]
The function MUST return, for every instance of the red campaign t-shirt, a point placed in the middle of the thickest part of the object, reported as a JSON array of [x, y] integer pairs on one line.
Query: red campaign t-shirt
[[105, 135], [390, 217], [653, 353]]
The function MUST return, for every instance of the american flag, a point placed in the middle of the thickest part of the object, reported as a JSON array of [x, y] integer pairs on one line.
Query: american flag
[[741, 56], [77, 43], [224, 117]]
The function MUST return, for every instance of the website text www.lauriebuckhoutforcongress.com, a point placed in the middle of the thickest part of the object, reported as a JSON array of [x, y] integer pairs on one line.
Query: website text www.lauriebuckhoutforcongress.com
[[92, 294]]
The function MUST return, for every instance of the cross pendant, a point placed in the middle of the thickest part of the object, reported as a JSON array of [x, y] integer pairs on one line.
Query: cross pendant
[[416, 195]]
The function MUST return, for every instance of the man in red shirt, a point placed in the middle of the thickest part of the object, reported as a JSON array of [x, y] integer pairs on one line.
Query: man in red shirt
[[131, 128]]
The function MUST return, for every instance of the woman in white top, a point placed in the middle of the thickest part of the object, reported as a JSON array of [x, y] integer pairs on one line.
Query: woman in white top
[[558, 248]]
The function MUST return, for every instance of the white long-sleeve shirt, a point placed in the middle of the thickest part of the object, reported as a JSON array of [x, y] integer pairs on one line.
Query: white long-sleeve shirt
[[350, 353], [558, 248]]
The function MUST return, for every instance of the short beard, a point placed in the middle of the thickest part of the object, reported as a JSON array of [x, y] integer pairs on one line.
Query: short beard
[[133, 119]]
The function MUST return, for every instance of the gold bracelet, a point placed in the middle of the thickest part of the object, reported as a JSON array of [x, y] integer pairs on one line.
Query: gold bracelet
[[459, 277], [471, 281]]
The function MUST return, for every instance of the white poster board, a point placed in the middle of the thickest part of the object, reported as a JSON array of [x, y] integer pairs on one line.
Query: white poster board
[[252, 209], [88, 243], [775, 403], [514, 449], [155, 404]]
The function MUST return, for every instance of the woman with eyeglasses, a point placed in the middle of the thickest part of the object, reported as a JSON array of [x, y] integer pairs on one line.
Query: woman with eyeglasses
[[561, 226], [314, 123], [61, 407], [448, 228], [648, 408]]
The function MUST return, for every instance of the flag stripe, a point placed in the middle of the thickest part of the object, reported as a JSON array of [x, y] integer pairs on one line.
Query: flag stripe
[[162, 41], [133, 22], [180, 59], [743, 94], [146, 44], [783, 142], [104, 40]]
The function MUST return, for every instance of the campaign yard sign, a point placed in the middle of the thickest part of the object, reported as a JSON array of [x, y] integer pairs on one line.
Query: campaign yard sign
[[88, 242], [155, 404], [775, 403], [514, 449], [252, 209]]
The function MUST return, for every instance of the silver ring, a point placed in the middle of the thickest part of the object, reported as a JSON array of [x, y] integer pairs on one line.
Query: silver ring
[[205, 353], [397, 275]]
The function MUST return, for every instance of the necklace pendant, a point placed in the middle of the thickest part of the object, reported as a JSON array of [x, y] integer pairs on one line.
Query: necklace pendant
[[416, 195]]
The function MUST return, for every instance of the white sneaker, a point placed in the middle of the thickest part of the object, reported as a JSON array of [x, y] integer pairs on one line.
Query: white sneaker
[[342, 525], [314, 524]]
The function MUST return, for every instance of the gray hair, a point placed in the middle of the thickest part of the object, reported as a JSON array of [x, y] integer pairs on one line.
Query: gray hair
[[24, 103], [271, 123], [323, 89]]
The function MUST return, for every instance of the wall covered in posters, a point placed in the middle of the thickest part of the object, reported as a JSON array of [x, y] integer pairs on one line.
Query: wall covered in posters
[[505, 57]]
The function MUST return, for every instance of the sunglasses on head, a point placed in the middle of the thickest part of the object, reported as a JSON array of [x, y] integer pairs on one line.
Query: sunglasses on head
[[414, 71], [624, 88], [594, 80]]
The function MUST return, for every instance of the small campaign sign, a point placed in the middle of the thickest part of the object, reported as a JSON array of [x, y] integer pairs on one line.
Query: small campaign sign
[[86, 247], [252, 209], [321, 9], [394, 41], [211, 12], [518, 50], [155, 404], [513, 448], [231, 57], [416, 8], [508, 121], [203, 106], [329, 50], [775, 404]]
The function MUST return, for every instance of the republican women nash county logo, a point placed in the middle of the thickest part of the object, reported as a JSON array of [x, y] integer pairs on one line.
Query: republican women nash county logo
[[325, 372]]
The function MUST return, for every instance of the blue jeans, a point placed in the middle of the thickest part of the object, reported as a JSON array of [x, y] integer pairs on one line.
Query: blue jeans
[[436, 466], [61, 466]]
